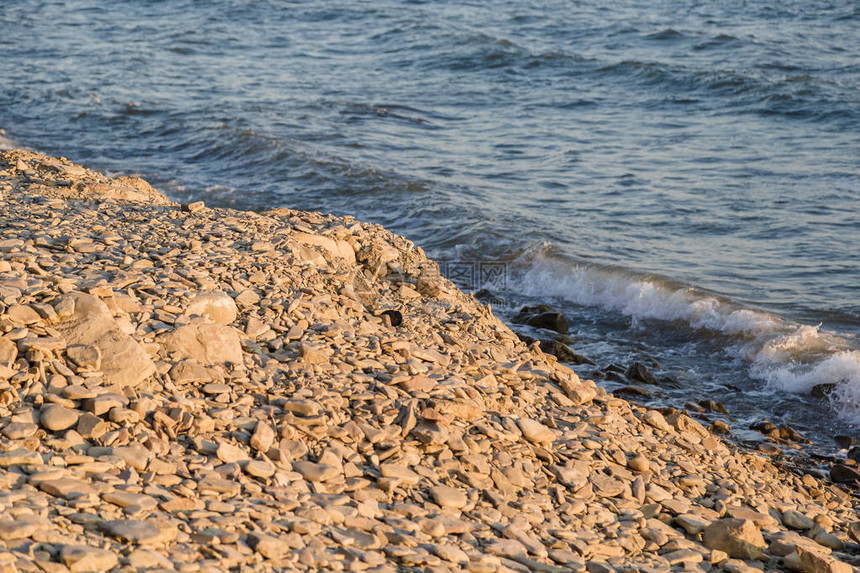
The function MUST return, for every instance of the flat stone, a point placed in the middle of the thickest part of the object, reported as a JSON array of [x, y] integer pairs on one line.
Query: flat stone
[[692, 524], [45, 345], [136, 531], [214, 484], [316, 472], [302, 407], [418, 384], [397, 471], [127, 499], [683, 557], [56, 418], [103, 403], [19, 457], [259, 468], [216, 388], [606, 486], [67, 488], [445, 496], [534, 431], [209, 344], [228, 453], [19, 430], [796, 520], [13, 530], [23, 314], [79, 558], [142, 558], [574, 475]]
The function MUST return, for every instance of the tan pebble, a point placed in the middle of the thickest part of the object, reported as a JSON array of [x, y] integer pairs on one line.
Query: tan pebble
[[228, 453], [534, 431], [638, 463], [86, 558], [446, 496], [56, 418]]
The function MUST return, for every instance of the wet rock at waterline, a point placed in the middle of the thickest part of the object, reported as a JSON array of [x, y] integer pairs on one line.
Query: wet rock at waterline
[[542, 316]]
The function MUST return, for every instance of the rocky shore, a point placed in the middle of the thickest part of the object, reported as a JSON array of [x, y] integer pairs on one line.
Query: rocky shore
[[195, 389]]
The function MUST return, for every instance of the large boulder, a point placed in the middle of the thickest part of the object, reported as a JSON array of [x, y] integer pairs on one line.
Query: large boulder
[[739, 538], [216, 305], [209, 344], [90, 323], [542, 316]]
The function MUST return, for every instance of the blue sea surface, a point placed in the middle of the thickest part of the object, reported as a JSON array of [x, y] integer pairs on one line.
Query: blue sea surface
[[681, 179]]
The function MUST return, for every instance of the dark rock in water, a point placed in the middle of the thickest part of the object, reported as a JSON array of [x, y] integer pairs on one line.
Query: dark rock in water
[[768, 448], [393, 317], [614, 376], [638, 372], [767, 428], [789, 433], [720, 427], [713, 406], [525, 338], [670, 381], [845, 441], [840, 473], [693, 407], [854, 454], [564, 353], [615, 368], [542, 316], [822, 391], [763, 426], [487, 296], [632, 391], [598, 375]]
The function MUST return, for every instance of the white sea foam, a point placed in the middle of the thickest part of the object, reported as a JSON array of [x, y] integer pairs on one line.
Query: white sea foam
[[638, 297], [788, 356], [5, 142]]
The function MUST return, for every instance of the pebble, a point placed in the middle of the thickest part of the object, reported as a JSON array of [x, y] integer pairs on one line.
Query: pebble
[[87, 558], [55, 418], [535, 431], [446, 496]]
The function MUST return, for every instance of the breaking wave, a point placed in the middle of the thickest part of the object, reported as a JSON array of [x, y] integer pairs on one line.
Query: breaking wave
[[785, 355]]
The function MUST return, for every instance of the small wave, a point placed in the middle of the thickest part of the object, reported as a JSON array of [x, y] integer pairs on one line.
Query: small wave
[[787, 356], [667, 34], [405, 114]]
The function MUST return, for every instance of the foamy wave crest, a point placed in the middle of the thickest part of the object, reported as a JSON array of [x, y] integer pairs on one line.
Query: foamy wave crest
[[841, 369], [788, 356], [636, 296]]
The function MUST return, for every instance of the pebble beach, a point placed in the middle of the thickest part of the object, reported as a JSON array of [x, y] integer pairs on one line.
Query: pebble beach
[[196, 389]]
